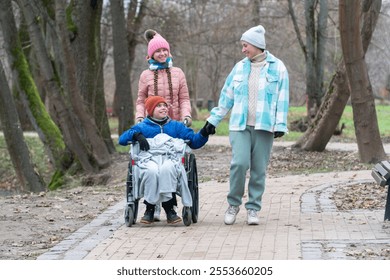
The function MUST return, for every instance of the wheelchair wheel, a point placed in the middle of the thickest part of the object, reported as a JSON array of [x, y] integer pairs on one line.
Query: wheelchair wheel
[[129, 216], [186, 214], [131, 209], [131, 212], [193, 186]]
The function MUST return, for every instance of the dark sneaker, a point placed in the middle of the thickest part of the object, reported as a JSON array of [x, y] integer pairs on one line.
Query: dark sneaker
[[157, 211], [148, 217], [172, 217]]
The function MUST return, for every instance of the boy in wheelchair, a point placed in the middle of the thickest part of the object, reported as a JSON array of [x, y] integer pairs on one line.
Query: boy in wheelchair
[[158, 175]]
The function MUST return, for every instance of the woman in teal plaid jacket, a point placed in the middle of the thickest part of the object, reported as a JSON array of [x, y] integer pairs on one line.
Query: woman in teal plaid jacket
[[256, 93]]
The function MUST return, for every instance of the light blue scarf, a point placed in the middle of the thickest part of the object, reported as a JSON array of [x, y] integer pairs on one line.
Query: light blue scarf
[[154, 65]]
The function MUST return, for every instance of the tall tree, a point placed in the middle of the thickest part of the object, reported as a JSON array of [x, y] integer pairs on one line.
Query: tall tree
[[313, 50], [30, 181], [363, 104], [85, 46], [52, 85], [123, 100], [98, 149], [136, 12], [323, 126], [47, 130]]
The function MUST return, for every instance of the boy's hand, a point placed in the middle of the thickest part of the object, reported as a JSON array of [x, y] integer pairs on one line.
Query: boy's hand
[[207, 129], [143, 143]]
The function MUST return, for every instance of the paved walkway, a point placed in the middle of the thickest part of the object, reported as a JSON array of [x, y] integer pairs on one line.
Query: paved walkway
[[298, 221]]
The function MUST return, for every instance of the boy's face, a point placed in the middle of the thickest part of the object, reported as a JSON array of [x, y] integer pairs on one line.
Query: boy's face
[[161, 111]]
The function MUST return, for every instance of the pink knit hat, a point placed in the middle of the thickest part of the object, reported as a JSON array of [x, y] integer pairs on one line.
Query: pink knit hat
[[155, 42]]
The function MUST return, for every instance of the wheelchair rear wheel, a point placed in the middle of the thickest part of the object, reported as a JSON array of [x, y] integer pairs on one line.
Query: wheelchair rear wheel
[[193, 186], [131, 209]]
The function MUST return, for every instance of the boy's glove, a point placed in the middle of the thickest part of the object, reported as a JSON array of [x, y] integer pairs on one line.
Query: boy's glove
[[139, 119], [278, 134], [143, 143], [207, 129]]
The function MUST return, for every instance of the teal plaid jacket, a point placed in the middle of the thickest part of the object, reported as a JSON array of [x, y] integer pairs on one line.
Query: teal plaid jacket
[[272, 99]]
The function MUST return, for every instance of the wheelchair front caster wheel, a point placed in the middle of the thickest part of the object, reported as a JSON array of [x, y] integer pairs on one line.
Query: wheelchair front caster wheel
[[187, 216], [129, 216]]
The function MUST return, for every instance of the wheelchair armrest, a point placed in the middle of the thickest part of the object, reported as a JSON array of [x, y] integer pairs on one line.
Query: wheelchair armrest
[[134, 148]]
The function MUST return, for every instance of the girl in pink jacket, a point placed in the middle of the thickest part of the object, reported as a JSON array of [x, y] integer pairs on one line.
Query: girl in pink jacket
[[164, 80]]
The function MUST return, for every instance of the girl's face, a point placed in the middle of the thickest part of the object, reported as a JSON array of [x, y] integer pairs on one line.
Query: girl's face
[[161, 55], [249, 50], [161, 111]]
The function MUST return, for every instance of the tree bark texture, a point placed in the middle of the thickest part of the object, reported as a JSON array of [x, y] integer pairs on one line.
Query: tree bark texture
[[365, 120], [87, 52], [97, 147], [52, 85], [311, 90], [29, 180], [321, 130], [45, 126], [123, 100], [322, 127]]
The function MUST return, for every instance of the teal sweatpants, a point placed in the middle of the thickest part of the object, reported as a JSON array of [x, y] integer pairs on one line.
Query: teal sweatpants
[[251, 149]]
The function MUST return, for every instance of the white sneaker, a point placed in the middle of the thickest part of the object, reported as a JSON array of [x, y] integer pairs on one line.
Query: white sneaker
[[157, 211], [253, 219], [230, 214]]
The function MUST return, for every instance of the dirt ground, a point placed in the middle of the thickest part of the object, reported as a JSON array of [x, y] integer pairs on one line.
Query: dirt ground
[[31, 224]]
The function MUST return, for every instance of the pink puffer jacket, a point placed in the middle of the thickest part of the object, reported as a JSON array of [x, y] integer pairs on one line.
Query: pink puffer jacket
[[179, 105]]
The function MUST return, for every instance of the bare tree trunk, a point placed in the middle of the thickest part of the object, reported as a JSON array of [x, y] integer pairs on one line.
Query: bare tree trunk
[[311, 90], [87, 51], [255, 7], [322, 27], [51, 84], [98, 148], [24, 82], [365, 120], [323, 126], [313, 50], [48, 131], [29, 180], [123, 100], [135, 14]]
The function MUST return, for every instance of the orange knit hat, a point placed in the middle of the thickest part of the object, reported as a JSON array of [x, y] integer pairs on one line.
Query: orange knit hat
[[152, 101]]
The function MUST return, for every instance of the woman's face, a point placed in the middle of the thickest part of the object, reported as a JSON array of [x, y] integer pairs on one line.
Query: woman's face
[[249, 50], [161, 55]]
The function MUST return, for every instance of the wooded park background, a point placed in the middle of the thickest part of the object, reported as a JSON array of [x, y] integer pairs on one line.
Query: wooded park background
[[66, 66]]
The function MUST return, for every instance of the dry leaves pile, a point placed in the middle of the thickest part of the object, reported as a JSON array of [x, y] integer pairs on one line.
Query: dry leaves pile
[[360, 196]]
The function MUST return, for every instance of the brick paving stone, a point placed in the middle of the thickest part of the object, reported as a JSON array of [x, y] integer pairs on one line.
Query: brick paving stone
[[298, 220]]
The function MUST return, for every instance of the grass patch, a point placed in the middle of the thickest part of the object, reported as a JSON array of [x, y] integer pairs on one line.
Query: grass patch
[[295, 113], [37, 154]]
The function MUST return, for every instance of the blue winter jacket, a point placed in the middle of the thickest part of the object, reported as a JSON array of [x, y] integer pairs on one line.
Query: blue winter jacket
[[173, 128]]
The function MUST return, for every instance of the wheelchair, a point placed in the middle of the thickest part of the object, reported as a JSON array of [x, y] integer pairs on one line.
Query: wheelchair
[[189, 214]]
